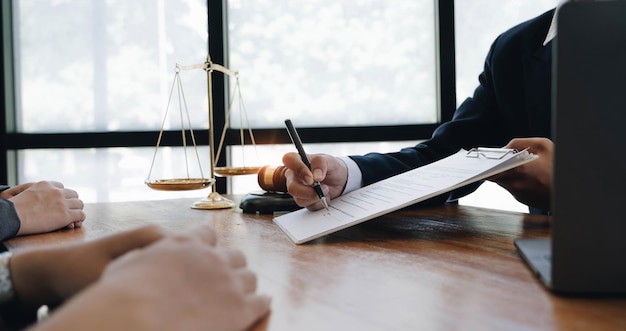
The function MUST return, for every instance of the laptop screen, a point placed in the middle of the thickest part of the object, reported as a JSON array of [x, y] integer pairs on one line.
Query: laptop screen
[[589, 109]]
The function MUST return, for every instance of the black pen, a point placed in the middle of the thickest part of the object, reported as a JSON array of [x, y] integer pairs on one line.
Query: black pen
[[296, 141]]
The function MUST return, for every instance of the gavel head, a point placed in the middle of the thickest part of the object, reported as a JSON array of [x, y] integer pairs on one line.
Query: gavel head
[[272, 178]]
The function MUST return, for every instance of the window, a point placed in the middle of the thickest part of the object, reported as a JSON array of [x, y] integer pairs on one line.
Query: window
[[103, 67], [328, 63], [87, 82], [90, 82], [373, 62]]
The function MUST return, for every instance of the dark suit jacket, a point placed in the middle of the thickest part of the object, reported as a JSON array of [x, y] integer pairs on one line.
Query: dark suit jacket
[[513, 100]]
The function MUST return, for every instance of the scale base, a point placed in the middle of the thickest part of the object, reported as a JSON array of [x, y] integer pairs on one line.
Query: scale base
[[262, 202], [213, 201]]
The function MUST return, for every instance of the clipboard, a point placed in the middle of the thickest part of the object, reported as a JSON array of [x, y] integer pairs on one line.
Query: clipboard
[[408, 188]]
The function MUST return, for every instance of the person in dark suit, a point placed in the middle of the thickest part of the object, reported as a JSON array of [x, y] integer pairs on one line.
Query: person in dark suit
[[511, 107]]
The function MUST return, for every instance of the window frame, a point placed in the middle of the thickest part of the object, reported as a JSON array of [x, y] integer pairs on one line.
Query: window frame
[[12, 141]]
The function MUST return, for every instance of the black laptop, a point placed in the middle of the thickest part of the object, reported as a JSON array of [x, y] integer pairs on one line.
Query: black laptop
[[587, 251]]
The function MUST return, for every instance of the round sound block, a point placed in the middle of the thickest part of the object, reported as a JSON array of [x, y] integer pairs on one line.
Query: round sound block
[[263, 202]]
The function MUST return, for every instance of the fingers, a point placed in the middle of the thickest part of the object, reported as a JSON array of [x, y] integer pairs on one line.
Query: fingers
[[534, 144], [304, 195], [119, 244], [74, 205], [294, 163], [234, 258], [311, 204], [521, 143], [204, 233], [316, 205], [299, 187], [69, 193], [74, 216], [75, 225], [246, 279], [307, 176]]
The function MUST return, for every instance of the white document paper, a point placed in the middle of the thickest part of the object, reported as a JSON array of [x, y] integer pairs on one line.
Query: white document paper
[[400, 191]]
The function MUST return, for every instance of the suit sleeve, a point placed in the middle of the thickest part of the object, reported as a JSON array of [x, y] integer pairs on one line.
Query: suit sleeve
[[9, 221]]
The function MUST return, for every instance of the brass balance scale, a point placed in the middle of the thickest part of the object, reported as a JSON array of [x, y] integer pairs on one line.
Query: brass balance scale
[[214, 200]]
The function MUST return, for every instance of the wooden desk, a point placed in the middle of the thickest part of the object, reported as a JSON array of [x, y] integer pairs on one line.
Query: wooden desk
[[445, 268]]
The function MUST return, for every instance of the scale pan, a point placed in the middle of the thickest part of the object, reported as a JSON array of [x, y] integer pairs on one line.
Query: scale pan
[[180, 184], [236, 171]]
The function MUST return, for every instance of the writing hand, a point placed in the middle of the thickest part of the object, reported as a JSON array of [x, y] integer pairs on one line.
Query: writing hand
[[330, 171]]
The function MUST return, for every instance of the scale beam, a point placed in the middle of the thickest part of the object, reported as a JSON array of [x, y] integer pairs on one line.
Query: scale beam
[[209, 66]]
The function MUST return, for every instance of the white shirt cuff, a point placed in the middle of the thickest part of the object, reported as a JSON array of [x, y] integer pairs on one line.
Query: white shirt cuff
[[354, 175]]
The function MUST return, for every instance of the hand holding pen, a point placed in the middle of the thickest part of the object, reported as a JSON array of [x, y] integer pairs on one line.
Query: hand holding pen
[[295, 138]]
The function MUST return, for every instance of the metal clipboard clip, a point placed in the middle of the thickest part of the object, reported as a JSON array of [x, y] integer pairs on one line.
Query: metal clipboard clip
[[490, 153]]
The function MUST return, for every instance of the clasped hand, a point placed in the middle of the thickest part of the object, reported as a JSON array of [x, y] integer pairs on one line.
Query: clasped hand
[[144, 279], [45, 206]]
